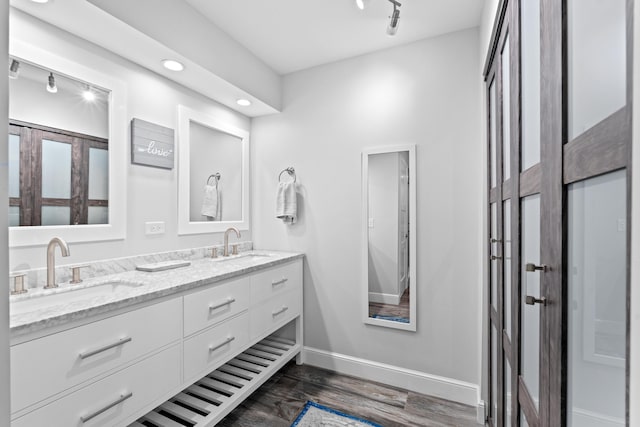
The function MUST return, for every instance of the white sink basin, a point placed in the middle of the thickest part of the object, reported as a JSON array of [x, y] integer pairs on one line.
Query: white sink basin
[[246, 257], [68, 295]]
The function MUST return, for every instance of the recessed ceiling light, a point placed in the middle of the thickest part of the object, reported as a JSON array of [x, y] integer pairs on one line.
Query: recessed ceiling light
[[243, 102], [40, 1], [172, 65]]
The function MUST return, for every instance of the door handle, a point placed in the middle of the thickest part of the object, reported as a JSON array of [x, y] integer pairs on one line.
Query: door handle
[[493, 257], [531, 300], [532, 267]]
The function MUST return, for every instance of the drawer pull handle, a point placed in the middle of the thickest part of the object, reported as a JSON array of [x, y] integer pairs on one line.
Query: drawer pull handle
[[94, 414], [222, 304], [282, 310], [120, 342], [279, 282], [222, 344]]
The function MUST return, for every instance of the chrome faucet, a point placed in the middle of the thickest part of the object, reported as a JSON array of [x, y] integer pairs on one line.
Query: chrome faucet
[[51, 260], [226, 239]]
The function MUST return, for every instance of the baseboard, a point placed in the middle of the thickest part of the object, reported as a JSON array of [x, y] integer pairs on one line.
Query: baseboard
[[384, 298], [420, 382], [584, 418], [481, 413]]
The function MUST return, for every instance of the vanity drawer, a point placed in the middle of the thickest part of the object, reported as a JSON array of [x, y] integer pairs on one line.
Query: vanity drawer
[[276, 281], [204, 352], [212, 305], [275, 312], [49, 365], [148, 381]]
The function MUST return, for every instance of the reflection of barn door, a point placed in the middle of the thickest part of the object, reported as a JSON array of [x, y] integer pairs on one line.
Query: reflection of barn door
[[403, 226]]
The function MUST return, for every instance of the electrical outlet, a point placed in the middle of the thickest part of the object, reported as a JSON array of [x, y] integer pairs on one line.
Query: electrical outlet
[[154, 227]]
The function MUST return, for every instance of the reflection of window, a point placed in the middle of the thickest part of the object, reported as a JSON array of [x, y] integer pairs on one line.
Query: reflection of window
[[56, 177]]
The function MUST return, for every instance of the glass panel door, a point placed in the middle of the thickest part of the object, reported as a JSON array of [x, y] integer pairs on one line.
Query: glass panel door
[[597, 255]]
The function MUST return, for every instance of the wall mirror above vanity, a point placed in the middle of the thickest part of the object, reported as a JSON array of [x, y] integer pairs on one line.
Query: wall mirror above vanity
[[389, 236], [67, 134], [213, 173]]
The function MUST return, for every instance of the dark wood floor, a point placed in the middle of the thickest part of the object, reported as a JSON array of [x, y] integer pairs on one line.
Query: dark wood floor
[[400, 310], [278, 402]]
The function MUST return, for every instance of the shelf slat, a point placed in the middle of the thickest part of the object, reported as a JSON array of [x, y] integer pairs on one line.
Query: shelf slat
[[247, 372]]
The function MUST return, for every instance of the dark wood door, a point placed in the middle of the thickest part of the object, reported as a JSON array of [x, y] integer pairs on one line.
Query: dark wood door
[[559, 139]]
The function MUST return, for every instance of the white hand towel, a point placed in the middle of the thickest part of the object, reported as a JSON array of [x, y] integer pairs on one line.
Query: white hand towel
[[286, 203], [210, 202]]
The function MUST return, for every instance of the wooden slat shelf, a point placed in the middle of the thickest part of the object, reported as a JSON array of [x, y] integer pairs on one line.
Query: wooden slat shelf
[[210, 399]]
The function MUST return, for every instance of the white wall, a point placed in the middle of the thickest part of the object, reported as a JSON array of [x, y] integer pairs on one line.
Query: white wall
[[152, 192], [4, 253], [424, 93]]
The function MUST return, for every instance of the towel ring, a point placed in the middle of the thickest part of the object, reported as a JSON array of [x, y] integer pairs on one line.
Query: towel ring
[[291, 171], [216, 176]]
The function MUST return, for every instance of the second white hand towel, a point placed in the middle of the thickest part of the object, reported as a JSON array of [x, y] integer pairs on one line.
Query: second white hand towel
[[286, 203]]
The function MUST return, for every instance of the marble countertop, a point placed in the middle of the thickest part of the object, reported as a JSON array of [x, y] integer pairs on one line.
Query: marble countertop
[[41, 309]]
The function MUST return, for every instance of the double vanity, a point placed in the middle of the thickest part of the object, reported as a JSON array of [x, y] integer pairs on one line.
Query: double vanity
[[187, 338]]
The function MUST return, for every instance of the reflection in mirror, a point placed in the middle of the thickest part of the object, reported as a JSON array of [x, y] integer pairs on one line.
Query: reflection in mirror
[[58, 145], [216, 175], [389, 249], [213, 172]]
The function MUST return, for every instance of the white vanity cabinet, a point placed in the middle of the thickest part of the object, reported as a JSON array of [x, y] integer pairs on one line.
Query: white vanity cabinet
[[46, 366], [113, 400], [116, 370], [276, 298]]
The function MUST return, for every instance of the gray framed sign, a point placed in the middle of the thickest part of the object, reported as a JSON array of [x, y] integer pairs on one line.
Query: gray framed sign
[[152, 145]]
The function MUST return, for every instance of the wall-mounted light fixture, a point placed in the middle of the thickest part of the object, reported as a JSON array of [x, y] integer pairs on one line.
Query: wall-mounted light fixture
[[51, 84], [14, 69], [394, 19]]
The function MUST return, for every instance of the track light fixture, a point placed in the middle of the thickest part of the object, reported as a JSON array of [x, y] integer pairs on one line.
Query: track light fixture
[[88, 94], [51, 85], [14, 69], [394, 18]]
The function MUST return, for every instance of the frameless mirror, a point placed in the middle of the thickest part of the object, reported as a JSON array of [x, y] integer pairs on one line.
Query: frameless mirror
[[389, 237], [213, 173], [67, 134]]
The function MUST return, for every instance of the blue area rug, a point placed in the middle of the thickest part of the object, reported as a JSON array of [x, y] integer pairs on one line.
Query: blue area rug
[[314, 415], [392, 318]]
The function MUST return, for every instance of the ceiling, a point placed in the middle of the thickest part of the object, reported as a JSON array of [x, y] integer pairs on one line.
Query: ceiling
[[291, 35], [267, 38]]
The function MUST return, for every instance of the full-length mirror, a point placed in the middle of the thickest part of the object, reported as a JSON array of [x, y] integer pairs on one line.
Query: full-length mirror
[[66, 134], [389, 248], [213, 171]]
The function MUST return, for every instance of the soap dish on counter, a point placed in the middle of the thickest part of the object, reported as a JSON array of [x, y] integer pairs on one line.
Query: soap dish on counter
[[163, 265]]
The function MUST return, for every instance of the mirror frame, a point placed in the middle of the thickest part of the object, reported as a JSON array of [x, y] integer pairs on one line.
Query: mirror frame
[[187, 115], [411, 148], [118, 142]]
